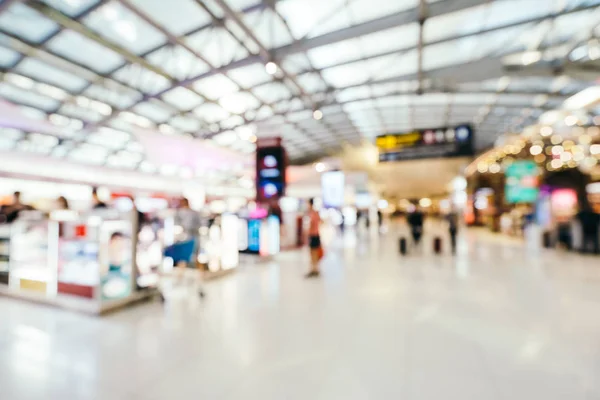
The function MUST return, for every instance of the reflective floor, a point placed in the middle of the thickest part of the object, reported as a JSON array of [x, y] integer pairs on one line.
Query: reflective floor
[[495, 322]]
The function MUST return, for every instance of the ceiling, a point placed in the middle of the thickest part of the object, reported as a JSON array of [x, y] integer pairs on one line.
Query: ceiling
[[99, 70]]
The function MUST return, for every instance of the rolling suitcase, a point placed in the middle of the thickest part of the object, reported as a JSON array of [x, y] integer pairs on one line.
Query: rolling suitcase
[[437, 245], [403, 246]]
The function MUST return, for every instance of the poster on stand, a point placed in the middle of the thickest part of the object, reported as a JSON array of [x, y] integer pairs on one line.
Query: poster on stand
[[115, 260]]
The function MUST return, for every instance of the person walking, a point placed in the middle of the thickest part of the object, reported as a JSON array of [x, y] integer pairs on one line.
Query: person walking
[[314, 240], [452, 219], [416, 220]]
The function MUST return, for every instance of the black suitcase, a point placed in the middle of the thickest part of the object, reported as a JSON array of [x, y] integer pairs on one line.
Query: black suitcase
[[403, 246], [437, 245], [547, 239]]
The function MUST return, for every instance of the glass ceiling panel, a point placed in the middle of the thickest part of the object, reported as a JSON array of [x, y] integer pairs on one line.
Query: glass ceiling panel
[[217, 46], [113, 94], [226, 138], [84, 51], [110, 138], [250, 76], [232, 122], [187, 124], [8, 57], [177, 16], [122, 27], [30, 147], [272, 92], [239, 102], [6, 143], [178, 62], [152, 111], [43, 72], [303, 15], [311, 83], [27, 97], [182, 98], [71, 8], [75, 111], [346, 75], [26, 23], [503, 12], [565, 26], [236, 30], [142, 79], [324, 56], [336, 21], [354, 93], [215, 87], [268, 28], [388, 40], [239, 5], [366, 10], [88, 154]]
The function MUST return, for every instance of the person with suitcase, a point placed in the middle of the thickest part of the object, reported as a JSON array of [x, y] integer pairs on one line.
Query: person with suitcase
[[416, 220]]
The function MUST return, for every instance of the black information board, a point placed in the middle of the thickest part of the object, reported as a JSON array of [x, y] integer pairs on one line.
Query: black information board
[[426, 143]]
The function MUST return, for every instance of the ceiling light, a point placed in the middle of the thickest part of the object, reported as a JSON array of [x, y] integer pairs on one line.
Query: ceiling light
[[318, 115], [535, 150], [271, 68], [585, 139], [425, 202], [495, 168], [556, 163], [253, 139], [571, 120], [557, 150], [320, 167]]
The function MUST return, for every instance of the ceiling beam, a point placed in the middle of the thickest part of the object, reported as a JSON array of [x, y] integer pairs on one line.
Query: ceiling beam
[[80, 28], [380, 24]]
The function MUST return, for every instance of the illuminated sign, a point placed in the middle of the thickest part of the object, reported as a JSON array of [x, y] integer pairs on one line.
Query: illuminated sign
[[332, 184], [270, 173], [428, 143], [522, 182]]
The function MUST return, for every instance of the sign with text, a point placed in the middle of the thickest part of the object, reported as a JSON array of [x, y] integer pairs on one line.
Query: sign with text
[[427, 143]]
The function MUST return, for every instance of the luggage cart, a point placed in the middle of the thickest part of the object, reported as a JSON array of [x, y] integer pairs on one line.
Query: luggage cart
[[184, 270]]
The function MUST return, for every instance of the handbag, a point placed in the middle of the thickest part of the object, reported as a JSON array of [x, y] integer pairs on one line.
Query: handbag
[[321, 252]]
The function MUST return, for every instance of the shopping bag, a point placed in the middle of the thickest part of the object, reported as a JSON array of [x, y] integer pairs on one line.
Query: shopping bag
[[321, 253]]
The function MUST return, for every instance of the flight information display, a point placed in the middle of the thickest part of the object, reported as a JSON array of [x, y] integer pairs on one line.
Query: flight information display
[[426, 143]]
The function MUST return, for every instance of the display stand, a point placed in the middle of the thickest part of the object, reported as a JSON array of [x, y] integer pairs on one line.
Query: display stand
[[81, 262]]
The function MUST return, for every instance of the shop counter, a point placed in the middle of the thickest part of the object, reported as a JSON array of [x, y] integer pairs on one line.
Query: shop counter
[[80, 262]]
